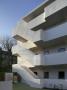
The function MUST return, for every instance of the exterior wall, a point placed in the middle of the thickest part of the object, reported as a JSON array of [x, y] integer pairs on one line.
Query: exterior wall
[[55, 32], [51, 59], [39, 73], [26, 58], [37, 21], [54, 83], [27, 44], [56, 59], [26, 33], [49, 34], [53, 71], [54, 49], [54, 7], [6, 85], [23, 62]]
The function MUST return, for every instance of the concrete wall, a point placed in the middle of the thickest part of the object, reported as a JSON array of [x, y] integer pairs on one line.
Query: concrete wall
[[53, 71], [28, 59], [40, 73], [24, 62], [49, 34], [22, 52], [8, 76], [23, 30], [37, 21], [56, 58], [54, 83], [6, 85], [51, 59], [41, 59], [54, 7], [55, 32]]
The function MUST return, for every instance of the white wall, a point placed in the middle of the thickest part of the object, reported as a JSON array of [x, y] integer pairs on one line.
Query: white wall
[[53, 71], [56, 58], [39, 73], [55, 32], [37, 21], [55, 6]]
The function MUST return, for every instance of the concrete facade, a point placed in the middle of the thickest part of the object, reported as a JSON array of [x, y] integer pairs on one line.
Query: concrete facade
[[6, 85], [41, 48]]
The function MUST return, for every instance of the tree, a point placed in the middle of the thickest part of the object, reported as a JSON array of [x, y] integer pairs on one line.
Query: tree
[[1, 58], [7, 43]]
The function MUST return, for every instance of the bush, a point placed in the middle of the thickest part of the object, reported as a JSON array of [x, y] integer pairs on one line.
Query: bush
[[2, 76]]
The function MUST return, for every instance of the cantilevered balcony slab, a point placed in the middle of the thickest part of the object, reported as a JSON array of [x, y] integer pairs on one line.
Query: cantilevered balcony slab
[[27, 44], [54, 19], [55, 7], [54, 36], [23, 53], [41, 36], [24, 62], [37, 21], [17, 37], [42, 59], [24, 56], [23, 33], [55, 32], [58, 58]]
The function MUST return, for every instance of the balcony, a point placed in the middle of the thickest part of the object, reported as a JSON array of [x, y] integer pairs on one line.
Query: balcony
[[52, 34], [37, 21], [23, 33], [51, 59], [54, 83], [23, 53], [41, 59], [55, 13], [55, 32], [27, 44], [55, 7]]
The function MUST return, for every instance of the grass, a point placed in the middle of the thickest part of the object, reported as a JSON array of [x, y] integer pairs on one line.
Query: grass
[[20, 86]]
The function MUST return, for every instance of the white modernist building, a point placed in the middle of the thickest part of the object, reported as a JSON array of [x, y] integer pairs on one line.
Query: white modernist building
[[42, 46]]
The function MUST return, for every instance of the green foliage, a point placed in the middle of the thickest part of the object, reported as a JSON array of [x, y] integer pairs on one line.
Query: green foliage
[[6, 69], [2, 76]]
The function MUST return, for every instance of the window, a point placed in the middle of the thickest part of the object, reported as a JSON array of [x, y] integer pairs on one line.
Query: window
[[46, 74], [61, 49], [35, 73], [61, 75]]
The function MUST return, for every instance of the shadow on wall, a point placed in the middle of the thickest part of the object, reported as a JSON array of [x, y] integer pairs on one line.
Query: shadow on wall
[[16, 77]]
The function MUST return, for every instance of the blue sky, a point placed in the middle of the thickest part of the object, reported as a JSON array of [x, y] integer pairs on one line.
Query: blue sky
[[11, 11]]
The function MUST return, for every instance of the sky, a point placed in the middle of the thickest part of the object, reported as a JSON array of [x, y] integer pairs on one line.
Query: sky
[[11, 11]]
